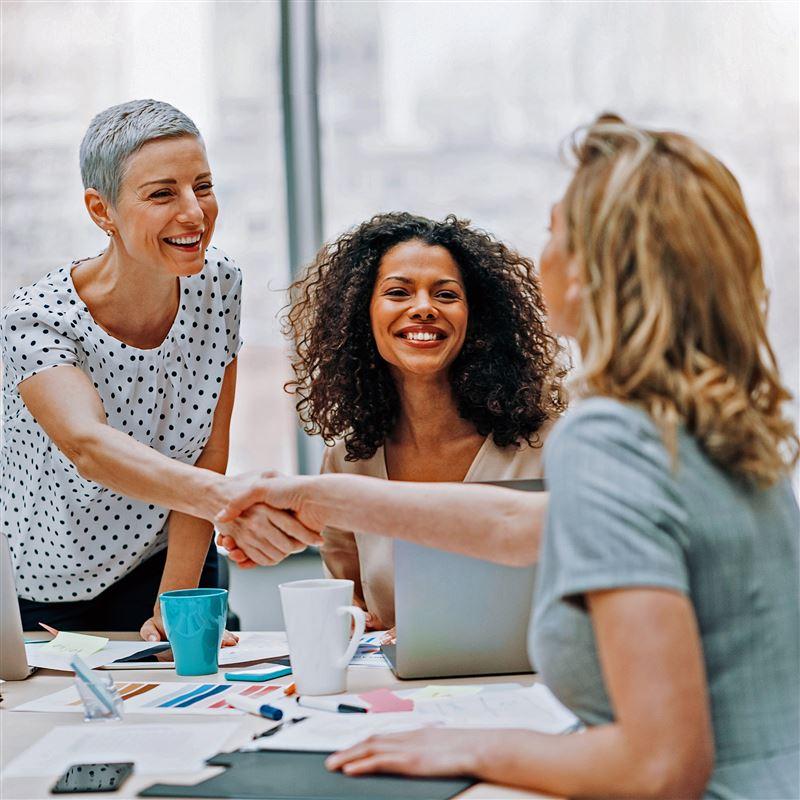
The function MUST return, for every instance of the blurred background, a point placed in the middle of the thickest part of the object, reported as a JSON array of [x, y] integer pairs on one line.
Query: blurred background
[[430, 107]]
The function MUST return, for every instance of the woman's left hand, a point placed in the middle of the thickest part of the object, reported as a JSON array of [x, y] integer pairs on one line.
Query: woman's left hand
[[430, 751], [153, 631]]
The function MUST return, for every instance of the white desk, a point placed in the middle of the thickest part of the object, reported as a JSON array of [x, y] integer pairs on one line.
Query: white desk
[[18, 730]]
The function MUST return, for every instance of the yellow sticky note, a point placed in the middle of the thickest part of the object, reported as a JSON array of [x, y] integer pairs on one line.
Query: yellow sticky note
[[75, 644], [441, 692]]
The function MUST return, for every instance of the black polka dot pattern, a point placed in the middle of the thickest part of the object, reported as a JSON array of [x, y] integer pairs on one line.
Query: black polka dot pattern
[[71, 538]]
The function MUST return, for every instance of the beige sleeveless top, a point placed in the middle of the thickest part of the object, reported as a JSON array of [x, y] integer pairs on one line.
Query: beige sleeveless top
[[367, 559]]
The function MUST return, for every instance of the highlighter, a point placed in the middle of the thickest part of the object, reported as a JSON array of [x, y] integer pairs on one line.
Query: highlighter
[[253, 705]]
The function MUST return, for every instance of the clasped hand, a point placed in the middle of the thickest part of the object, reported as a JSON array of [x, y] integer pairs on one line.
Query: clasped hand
[[259, 526]]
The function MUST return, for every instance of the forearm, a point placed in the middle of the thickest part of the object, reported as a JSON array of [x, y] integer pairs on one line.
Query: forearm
[[189, 539], [487, 522], [598, 763], [117, 461]]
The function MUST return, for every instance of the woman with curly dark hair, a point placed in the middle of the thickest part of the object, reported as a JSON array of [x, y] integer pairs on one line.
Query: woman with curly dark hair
[[421, 354]]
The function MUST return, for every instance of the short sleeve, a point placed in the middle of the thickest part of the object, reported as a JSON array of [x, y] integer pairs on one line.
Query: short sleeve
[[230, 277], [35, 340], [615, 518]]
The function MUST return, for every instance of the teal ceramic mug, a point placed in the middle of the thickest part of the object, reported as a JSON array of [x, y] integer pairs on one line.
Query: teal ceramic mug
[[194, 620]]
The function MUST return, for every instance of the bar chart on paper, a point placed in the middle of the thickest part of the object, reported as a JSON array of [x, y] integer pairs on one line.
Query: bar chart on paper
[[161, 698]]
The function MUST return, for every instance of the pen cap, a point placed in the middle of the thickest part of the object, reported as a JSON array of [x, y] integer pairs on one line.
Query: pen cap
[[270, 712]]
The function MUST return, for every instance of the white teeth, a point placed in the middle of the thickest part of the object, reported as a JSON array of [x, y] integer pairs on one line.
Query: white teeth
[[420, 337], [184, 239]]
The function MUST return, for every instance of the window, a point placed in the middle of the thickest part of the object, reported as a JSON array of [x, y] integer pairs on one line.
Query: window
[[440, 108], [218, 62]]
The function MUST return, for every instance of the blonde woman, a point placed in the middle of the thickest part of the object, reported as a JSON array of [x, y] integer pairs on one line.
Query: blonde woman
[[666, 615]]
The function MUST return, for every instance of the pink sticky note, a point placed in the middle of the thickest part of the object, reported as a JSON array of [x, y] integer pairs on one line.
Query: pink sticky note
[[385, 700]]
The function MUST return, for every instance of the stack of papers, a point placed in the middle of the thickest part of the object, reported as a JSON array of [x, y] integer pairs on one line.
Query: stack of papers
[[97, 651], [509, 706], [59, 748], [59, 652], [368, 653]]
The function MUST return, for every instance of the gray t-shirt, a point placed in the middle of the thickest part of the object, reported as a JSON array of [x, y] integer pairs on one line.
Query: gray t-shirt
[[620, 516]]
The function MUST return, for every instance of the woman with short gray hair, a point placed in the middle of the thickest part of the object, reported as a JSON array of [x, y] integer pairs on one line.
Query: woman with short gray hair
[[118, 390]]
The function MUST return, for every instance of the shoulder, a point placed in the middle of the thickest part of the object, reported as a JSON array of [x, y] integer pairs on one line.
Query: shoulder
[[41, 304], [222, 269], [603, 421], [602, 441], [217, 284], [50, 291]]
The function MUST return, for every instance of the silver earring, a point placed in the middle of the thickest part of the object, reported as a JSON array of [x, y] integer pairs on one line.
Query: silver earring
[[109, 233]]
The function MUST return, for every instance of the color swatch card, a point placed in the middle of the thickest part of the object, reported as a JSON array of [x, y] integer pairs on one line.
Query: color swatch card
[[160, 698]]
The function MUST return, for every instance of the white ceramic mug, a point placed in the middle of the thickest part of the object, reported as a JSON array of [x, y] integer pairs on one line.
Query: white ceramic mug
[[317, 618]]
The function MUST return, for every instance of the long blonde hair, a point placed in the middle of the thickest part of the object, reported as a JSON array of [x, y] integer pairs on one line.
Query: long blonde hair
[[674, 309]]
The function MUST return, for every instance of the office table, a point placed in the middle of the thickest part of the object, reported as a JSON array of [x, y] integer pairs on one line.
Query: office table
[[21, 729]]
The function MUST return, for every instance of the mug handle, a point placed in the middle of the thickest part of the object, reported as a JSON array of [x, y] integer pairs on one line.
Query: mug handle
[[359, 623]]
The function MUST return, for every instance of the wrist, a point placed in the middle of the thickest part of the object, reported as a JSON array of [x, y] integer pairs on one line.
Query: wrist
[[486, 752], [211, 494]]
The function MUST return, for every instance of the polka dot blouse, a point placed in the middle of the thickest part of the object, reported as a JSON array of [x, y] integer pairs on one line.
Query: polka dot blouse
[[71, 538]]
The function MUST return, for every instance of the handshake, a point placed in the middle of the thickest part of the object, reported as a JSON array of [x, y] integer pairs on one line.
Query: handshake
[[267, 517]]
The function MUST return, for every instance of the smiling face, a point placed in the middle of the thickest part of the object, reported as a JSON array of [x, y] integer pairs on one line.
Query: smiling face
[[419, 309], [166, 209], [560, 278]]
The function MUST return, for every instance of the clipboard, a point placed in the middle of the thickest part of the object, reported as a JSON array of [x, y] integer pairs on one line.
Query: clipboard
[[294, 775]]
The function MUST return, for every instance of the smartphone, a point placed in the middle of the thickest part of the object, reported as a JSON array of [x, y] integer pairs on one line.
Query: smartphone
[[93, 778], [266, 672]]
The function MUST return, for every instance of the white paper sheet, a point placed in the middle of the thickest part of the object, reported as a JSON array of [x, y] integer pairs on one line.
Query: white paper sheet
[[326, 732], [255, 647], [252, 646], [65, 745], [40, 655], [532, 708]]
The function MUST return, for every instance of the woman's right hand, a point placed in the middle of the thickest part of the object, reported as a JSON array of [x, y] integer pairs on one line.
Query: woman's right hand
[[235, 554], [264, 536]]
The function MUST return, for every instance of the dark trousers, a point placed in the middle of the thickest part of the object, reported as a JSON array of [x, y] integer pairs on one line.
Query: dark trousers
[[124, 606]]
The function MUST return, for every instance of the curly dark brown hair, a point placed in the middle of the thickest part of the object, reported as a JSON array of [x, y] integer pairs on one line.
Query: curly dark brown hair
[[507, 379]]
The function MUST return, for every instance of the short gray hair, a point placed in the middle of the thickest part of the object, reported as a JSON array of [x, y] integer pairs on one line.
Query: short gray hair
[[118, 132]]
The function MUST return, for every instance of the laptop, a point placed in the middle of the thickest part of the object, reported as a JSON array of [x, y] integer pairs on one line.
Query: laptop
[[13, 661], [458, 616]]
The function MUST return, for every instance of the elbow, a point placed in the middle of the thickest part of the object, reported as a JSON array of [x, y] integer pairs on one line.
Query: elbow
[[670, 776], [517, 554], [81, 449], [518, 545]]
